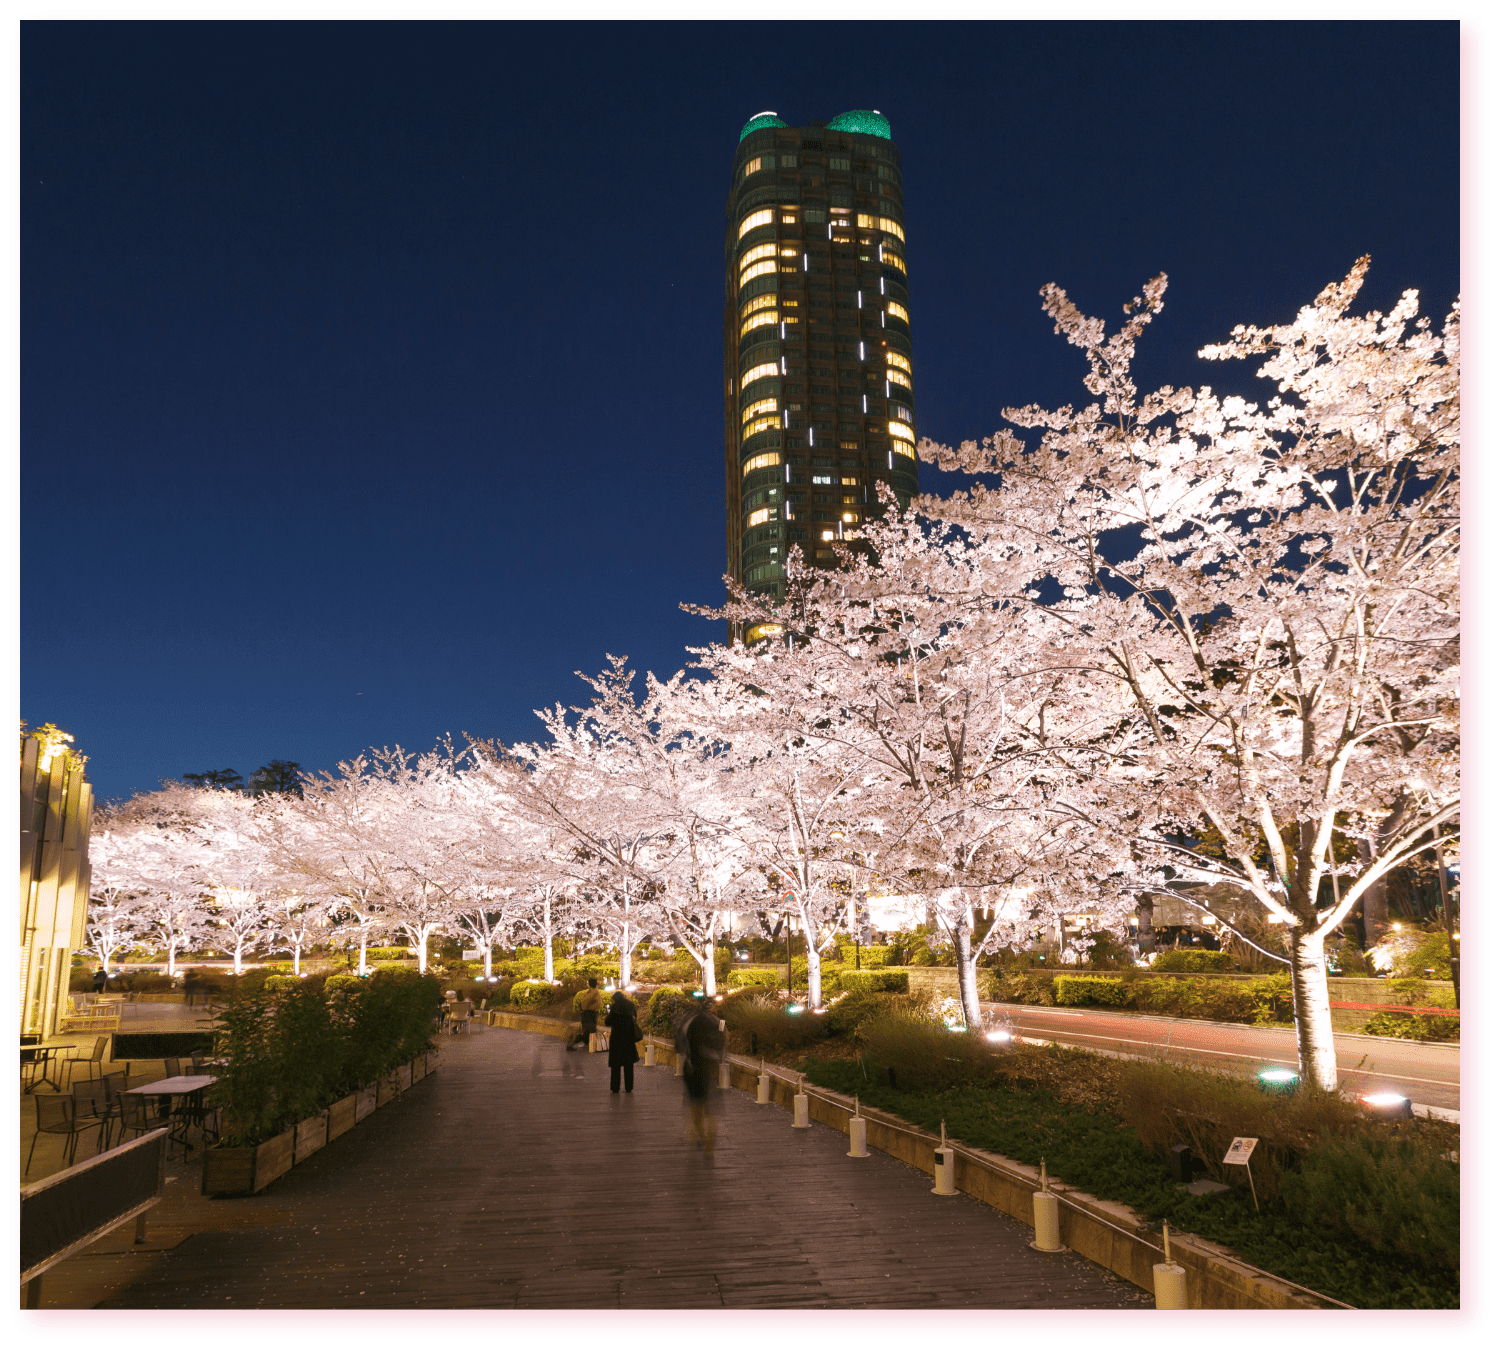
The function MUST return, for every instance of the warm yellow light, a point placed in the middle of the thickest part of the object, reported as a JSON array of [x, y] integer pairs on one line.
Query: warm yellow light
[[850, 517], [757, 270], [756, 165], [759, 320], [789, 252], [759, 373], [865, 222], [827, 534], [910, 451], [898, 376], [761, 462], [899, 311], [757, 517], [890, 227], [757, 253], [761, 405], [757, 302], [851, 482], [894, 259], [754, 221], [901, 430], [896, 359], [760, 424]]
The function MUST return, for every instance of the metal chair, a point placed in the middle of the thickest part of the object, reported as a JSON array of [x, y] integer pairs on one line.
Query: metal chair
[[114, 1093], [94, 1058], [54, 1115], [139, 1114], [172, 1068], [91, 1108]]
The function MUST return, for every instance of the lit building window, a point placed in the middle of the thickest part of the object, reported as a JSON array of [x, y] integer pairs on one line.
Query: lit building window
[[762, 630], [757, 517], [759, 373], [894, 259], [902, 411], [757, 253], [904, 448], [757, 302], [789, 250], [886, 224], [759, 269], [896, 359], [789, 220], [865, 222], [901, 430], [850, 517], [756, 165], [761, 462], [754, 220], [822, 478], [898, 310], [827, 534], [761, 405], [758, 321], [898, 377], [760, 424], [851, 482]]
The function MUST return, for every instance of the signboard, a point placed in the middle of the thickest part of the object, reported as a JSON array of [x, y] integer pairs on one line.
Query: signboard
[[1240, 1151], [472, 955]]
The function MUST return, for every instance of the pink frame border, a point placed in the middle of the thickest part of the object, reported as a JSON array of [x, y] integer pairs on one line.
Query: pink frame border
[[912, 1325]]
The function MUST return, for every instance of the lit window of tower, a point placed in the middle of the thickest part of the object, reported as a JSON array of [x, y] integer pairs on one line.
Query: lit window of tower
[[818, 405]]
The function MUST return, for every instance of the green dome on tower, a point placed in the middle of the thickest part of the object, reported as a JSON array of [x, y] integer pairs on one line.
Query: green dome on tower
[[765, 119], [863, 121]]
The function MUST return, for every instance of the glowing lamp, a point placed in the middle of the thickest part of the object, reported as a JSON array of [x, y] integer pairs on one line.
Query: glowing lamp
[[1388, 1105], [998, 1037], [794, 1008], [1279, 1080]]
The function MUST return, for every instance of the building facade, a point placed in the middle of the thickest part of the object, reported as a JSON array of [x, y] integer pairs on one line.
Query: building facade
[[818, 405]]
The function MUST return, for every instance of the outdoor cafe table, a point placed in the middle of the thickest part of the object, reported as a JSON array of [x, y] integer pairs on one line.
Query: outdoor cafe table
[[184, 1085], [41, 1061]]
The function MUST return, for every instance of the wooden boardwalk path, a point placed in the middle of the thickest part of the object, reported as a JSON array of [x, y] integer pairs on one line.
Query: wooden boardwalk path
[[511, 1178]]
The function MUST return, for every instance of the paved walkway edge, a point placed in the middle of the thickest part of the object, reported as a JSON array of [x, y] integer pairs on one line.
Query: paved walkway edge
[[1103, 1231]]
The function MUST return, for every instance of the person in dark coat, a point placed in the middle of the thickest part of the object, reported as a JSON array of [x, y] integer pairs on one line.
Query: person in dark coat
[[623, 1030], [101, 980], [700, 1041]]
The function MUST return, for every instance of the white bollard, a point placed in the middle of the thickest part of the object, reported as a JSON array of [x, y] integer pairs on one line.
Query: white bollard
[[677, 1070], [650, 1053], [942, 1166], [1169, 1279], [1044, 1218], [724, 1073], [763, 1087], [799, 1112], [857, 1147]]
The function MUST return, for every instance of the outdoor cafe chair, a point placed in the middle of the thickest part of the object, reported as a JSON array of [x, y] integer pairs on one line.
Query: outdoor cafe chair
[[91, 1107], [54, 1115], [172, 1068], [95, 1058], [139, 1113], [114, 1093]]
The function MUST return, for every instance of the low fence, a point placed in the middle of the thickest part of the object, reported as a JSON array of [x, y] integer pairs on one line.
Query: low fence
[[64, 1213]]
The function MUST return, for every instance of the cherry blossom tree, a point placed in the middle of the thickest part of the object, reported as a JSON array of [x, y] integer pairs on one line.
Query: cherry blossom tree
[[119, 900], [1274, 586]]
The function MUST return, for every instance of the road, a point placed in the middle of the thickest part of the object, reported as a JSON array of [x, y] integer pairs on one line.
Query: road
[[1427, 1074]]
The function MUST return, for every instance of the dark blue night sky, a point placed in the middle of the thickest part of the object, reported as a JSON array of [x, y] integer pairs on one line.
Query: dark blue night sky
[[373, 371]]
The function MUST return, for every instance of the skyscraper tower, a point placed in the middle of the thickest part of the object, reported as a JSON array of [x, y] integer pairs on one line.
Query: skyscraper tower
[[817, 341]]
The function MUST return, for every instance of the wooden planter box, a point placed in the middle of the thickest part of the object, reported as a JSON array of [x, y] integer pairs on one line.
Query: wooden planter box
[[342, 1115], [386, 1090], [419, 1068], [365, 1101], [311, 1135], [244, 1171], [403, 1077]]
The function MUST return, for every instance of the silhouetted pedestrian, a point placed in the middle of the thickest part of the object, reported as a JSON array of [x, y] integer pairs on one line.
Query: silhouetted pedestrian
[[624, 1032], [101, 980]]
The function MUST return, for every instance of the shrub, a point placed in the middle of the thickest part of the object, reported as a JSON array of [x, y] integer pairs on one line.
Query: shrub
[[1021, 986], [1192, 960], [1429, 953], [875, 981], [390, 954], [1412, 1026], [754, 979], [849, 1012], [1074, 990], [773, 1028], [663, 1009], [1395, 1194], [533, 994], [925, 1054]]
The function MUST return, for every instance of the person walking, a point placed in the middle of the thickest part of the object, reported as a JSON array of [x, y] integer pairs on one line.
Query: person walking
[[101, 980], [700, 1042], [624, 1032], [588, 1010]]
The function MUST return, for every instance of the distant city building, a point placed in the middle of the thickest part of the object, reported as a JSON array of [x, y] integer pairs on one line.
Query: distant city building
[[818, 402]]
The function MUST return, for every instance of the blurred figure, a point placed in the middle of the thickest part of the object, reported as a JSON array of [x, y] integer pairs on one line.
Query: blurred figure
[[101, 980], [624, 1032], [700, 1043]]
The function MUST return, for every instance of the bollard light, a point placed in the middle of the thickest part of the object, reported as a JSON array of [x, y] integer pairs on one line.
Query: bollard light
[[942, 1166], [794, 1008], [998, 1037], [1279, 1080], [1388, 1105]]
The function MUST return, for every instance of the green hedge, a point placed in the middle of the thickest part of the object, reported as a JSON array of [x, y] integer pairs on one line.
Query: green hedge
[[746, 979], [532, 994], [1192, 961], [889, 981], [1072, 991], [292, 1048], [1412, 1026]]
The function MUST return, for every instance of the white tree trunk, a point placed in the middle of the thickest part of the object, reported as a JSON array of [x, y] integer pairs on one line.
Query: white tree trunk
[[489, 955], [296, 958], [814, 971], [968, 969], [239, 949], [364, 939], [547, 938], [422, 951], [172, 959], [1315, 1047]]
